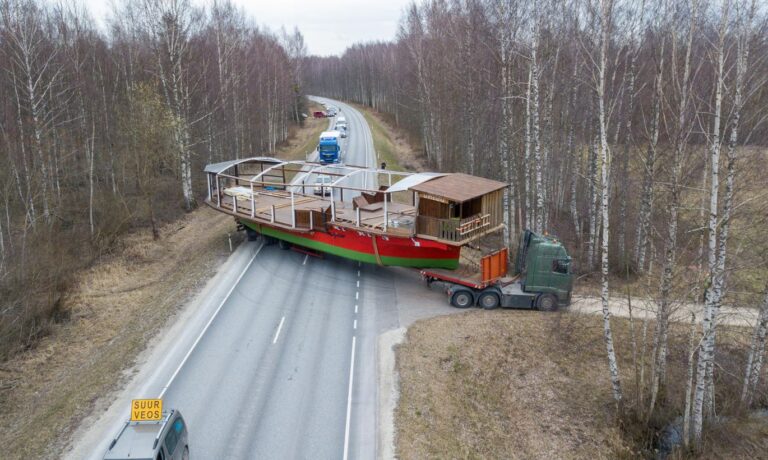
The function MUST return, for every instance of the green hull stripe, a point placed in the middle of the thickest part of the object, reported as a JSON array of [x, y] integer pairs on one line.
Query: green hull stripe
[[450, 264]]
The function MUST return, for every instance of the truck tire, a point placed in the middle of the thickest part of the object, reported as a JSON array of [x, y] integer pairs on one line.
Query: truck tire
[[252, 234], [462, 298], [488, 300], [546, 302], [284, 245]]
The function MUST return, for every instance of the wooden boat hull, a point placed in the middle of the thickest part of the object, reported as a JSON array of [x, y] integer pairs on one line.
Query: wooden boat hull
[[369, 248]]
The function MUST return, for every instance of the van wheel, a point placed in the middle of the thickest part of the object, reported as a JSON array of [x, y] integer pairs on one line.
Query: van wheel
[[546, 302], [185, 454], [462, 298], [488, 300]]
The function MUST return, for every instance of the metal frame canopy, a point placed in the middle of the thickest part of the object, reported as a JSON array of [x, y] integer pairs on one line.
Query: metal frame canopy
[[340, 171]]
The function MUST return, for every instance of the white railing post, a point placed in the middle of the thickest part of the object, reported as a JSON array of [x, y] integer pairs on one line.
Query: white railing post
[[234, 202], [386, 219], [218, 192], [208, 176], [333, 210], [272, 219], [357, 211], [311, 221], [293, 211], [253, 202]]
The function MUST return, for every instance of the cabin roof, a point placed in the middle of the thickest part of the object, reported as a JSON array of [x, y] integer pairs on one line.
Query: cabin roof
[[459, 187]]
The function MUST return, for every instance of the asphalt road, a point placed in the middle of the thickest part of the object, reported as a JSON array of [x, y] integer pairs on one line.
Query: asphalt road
[[277, 357]]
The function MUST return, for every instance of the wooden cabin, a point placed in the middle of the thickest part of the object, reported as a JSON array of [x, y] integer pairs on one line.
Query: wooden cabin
[[459, 207]]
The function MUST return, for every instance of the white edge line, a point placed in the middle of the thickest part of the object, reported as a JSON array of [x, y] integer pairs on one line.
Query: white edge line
[[279, 327], [357, 295], [355, 325], [208, 324], [349, 400], [355, 308]]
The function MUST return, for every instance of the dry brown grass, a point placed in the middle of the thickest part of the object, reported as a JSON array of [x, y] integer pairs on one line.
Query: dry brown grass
[[516, 384], [491, 385]]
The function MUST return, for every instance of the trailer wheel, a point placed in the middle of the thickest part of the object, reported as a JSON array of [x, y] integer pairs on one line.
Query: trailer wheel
[[546, 302], [252, 234], [488, 300], [284, 245], [462, 298]]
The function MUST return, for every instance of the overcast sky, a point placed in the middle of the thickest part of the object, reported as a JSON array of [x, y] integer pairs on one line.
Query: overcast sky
[[329, 26]]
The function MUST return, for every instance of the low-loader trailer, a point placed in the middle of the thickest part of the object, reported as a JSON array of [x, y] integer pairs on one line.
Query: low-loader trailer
[[542, 279]]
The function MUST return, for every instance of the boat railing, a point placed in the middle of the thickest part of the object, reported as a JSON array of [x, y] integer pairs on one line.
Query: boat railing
[[453, 229]]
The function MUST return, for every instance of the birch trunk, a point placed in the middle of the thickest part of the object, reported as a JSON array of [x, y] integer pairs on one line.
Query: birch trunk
[[593, 203], [624, 189], [572, 153], [646, 200], [535, 127], [529, 214], [689, 384], [504, 12], [605, 20], [714, 290]]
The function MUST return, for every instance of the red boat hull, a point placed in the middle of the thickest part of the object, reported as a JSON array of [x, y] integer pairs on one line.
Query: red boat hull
[[370, 248]]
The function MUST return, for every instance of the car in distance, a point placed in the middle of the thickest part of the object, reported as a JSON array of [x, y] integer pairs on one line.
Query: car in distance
[[341, 128], [322, 185]]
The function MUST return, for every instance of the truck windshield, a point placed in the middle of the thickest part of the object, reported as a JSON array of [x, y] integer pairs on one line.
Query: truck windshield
[[328, 148]]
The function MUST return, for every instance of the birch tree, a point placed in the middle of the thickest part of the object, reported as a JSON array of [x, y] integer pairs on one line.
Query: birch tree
[[169, 23], [606, 11], [670, 249]]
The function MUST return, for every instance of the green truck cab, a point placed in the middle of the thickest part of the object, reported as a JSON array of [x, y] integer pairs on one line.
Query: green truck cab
[[543, 278], [543, 266]]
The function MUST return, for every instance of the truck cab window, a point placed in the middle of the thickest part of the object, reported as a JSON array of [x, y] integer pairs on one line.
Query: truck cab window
[[560, 266]]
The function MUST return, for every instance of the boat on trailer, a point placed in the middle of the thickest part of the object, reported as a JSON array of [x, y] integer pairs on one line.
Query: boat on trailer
[[371, 215]]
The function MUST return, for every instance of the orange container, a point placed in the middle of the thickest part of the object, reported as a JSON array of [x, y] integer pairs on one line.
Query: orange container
[[494, 265]]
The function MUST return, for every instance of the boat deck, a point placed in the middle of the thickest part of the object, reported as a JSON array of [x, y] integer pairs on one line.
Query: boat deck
[[312, 211]]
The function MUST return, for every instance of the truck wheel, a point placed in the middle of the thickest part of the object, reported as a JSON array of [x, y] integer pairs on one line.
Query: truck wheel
[[252, 234], [284, 245], [488, 300], [462, 298], [546, 302]]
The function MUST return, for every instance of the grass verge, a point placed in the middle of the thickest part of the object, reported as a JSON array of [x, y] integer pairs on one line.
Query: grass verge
[[382, 141], [516, 384]]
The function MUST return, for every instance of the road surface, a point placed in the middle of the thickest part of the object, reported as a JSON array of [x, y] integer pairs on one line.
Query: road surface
[[277, 357]]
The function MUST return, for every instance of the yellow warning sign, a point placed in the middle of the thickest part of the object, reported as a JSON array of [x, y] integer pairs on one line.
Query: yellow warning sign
[[143, 410]]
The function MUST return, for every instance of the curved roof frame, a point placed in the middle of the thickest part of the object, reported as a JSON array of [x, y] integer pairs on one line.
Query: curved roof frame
[[345, 171]]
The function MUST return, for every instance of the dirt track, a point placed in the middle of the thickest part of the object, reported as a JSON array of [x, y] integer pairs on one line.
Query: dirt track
[[642, 308]]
